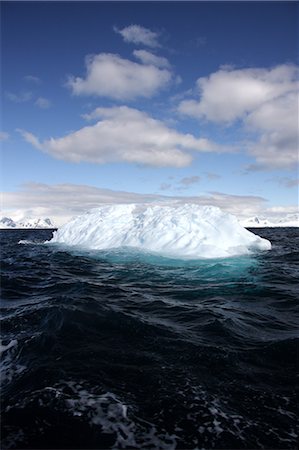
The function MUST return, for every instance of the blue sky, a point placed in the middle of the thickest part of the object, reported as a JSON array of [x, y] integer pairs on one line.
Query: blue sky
[[180, 99]]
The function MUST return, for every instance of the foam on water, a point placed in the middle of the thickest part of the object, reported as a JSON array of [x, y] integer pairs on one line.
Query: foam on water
[[3, 348], [9, 367], [208, 419], [111, 415], [30, 242], [105, 412], [178, 231]]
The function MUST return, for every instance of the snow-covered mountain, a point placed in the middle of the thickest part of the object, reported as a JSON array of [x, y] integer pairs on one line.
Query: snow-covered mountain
[[290, 220], [26, 222]]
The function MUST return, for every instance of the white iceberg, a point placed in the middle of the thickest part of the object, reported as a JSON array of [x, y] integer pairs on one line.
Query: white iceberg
[[172, 230]]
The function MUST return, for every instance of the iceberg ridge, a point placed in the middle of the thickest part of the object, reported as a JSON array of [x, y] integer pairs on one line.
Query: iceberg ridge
[[184, 231]]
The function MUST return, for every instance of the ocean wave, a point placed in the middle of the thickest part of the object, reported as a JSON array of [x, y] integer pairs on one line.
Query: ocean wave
[[116, 350]]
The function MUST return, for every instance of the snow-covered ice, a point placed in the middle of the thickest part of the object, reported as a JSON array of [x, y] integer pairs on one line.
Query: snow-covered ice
[[172, 230]]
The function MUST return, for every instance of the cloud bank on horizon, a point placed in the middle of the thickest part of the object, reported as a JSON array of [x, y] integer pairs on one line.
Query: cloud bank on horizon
[[63, 201], [142, 105]]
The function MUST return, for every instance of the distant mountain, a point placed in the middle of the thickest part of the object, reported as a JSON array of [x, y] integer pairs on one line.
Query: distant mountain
[[7, 222], [26, 222], [290, 220]]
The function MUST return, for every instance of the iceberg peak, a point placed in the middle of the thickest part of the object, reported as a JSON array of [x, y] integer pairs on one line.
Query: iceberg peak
[[187, 231]]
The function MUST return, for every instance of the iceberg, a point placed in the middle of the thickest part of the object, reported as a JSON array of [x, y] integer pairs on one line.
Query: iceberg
[[186, 231]]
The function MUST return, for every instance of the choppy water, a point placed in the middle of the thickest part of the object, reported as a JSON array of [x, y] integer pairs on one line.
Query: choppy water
[[124, 350]]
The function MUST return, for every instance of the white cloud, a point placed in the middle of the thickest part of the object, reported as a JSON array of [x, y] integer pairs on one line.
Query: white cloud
[[266, 102], [109, 75], [147, 57], [62, 201], [229, 94], [22, 97], [29, 137], [125, 135], [3, 136], [136, 34], [277, 122], [43, 103]]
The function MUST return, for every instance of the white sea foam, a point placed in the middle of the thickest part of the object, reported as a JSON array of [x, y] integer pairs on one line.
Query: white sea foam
[[111, 415], [9, 368], [3, 348], [173, 230]]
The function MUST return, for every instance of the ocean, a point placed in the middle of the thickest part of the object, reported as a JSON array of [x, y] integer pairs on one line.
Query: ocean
[[120, 349]]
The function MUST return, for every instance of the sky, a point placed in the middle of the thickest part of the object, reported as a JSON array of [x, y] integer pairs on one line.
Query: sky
[[142, 101]]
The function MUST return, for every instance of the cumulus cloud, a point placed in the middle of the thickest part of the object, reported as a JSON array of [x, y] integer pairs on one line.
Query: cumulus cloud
[[60, 202], [229, 94], [147, 57], [136, 34], [109, 75], [125, 135], [3, 136], [266, 102], [43, 103], [277, 122]]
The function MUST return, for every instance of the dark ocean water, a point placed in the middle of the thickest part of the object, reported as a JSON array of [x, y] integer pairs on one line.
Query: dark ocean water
[[126, 350]]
